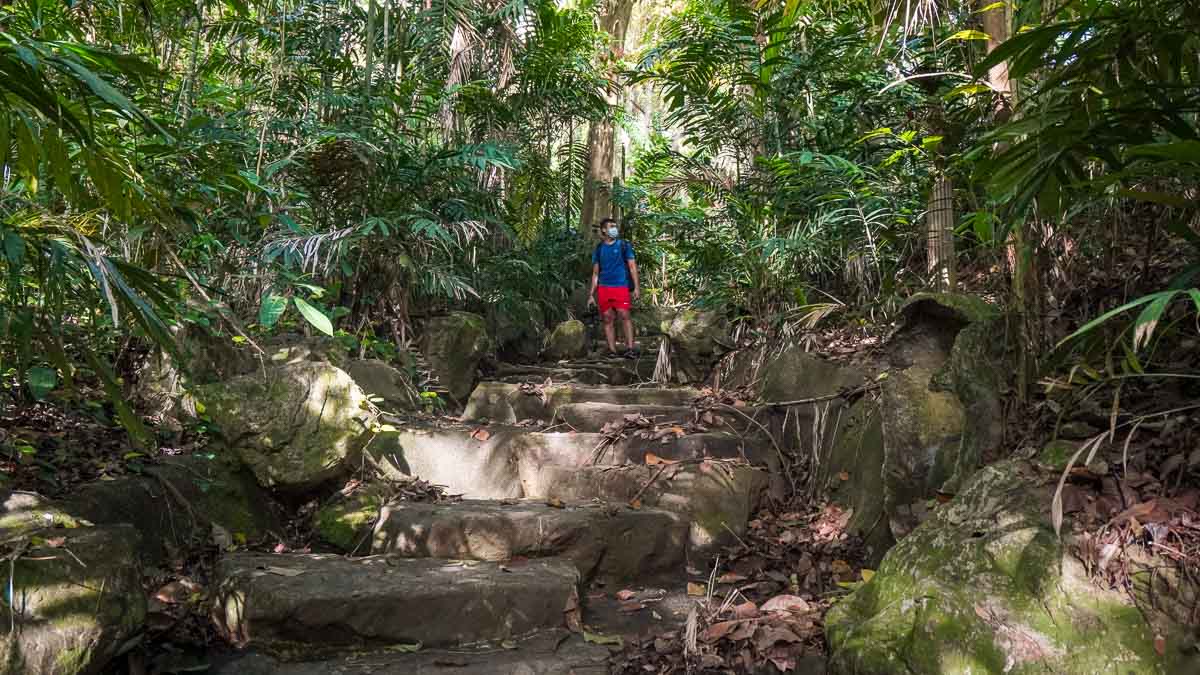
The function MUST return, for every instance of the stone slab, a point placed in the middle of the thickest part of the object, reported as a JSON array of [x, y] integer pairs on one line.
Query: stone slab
[[718, 498], [611, 543], [545, 654], [301, 606], [505, 403]]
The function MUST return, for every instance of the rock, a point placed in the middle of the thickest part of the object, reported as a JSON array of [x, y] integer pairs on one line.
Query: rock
[[380, 380], [922, 435], [697, 341], [176, 503], [201, 358], [795, 374], [76, 600], [611, 544], [519, 330], [653, 320], [290, 348], [296, 427], [569, 340], [304, 605], [984, 585], [591, 417], [508, 404], [718, 498], [454, 345], [852, 473]]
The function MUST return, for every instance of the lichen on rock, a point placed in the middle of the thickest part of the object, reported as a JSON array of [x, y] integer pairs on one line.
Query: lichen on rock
[[985, 586], [295, 426], [454, 345]]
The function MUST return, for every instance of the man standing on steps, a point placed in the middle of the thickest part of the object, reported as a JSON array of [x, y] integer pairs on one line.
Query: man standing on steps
[[614, 274]]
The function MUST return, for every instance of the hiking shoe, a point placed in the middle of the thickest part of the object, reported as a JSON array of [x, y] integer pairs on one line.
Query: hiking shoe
[[630, 354]]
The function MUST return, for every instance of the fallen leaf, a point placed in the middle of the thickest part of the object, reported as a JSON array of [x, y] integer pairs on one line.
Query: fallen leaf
[[56, 542], [630, 607], [842, 570], [1160, 645], [746, 610], [626, 594], [635, 504], [481, 434], [844, 475], [654, 460], [718, 630], [785, 603], [554, 502], [867, 575], [695, 589], [731, 578]]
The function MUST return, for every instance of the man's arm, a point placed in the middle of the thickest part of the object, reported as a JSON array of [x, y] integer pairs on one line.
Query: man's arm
[[633, 274], [595, 283]]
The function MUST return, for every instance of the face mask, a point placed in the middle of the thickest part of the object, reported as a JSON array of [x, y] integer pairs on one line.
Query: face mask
[[612, 232]]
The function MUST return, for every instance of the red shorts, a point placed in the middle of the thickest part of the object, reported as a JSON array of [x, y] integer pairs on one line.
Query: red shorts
[[612, 297]]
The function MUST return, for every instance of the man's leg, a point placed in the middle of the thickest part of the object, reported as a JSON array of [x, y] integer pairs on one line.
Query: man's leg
[[627, 321], [610, 331]]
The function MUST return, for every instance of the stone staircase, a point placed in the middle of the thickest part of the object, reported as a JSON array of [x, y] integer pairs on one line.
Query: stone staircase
[[572, 491]]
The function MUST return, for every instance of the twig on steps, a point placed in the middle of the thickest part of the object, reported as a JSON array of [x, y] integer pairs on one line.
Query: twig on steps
[[653, 478], [848, 394], [782, 457]]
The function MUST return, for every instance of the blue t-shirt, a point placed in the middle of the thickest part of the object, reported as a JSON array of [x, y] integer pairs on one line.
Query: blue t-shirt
[[614, 271]]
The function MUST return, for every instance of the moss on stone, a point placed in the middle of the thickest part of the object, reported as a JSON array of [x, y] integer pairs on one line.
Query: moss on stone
[[346, 522], [985, 586]]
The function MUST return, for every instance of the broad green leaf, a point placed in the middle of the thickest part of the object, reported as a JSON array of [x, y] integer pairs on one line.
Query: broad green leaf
[[14, 249], [273, 306], [1147, 321], [967, 90], [1089, 326], [599, 639], [41, 381], [314, 316], [969, 35]]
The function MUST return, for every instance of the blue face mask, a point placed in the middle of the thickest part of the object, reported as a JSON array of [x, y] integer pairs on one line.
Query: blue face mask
[[612, 232]]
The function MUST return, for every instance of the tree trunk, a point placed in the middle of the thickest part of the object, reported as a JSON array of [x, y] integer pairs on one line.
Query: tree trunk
[[939, 225], [997, 23], [597, 185]]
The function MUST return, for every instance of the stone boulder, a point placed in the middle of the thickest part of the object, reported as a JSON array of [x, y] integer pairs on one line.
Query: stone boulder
[[383, 381], [75, 598], [569, 340], [985, 586], [698, 338], [454, 345], [519, 331], [175, 505], [296, 427], [289, 348]]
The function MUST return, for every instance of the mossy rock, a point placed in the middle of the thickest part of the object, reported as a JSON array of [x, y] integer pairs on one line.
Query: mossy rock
[[288, 349], [454, 345], [852, 474], [175, 504], [922, 436], [985, 586], [698, 338], [346, 523], [569, 340], [794, 374], [74, 604], [384, 383], [296, 427], [962, 307]]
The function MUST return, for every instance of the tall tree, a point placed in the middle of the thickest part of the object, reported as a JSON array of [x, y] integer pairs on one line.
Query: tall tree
[[601, 141]]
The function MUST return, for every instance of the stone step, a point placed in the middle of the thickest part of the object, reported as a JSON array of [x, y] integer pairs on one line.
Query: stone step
[[491, 462], [717, 497], [612, 543], [612, 372], [550, 653], [505, 402], [308, 605], [591, 417]]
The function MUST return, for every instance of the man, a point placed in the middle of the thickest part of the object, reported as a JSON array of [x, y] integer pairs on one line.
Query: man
[[614, 273]]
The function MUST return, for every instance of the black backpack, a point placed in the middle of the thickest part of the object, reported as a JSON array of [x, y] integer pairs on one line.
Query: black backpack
[[625, 247]]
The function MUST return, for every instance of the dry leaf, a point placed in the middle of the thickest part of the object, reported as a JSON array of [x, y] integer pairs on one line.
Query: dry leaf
[[695, 589], [731, 578], [56, 542], [554, 502], [746, 610], [635, 504], [626, 594], [844, 475], [719, 630], [1160, 645], [481, 434], [785, 603]]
